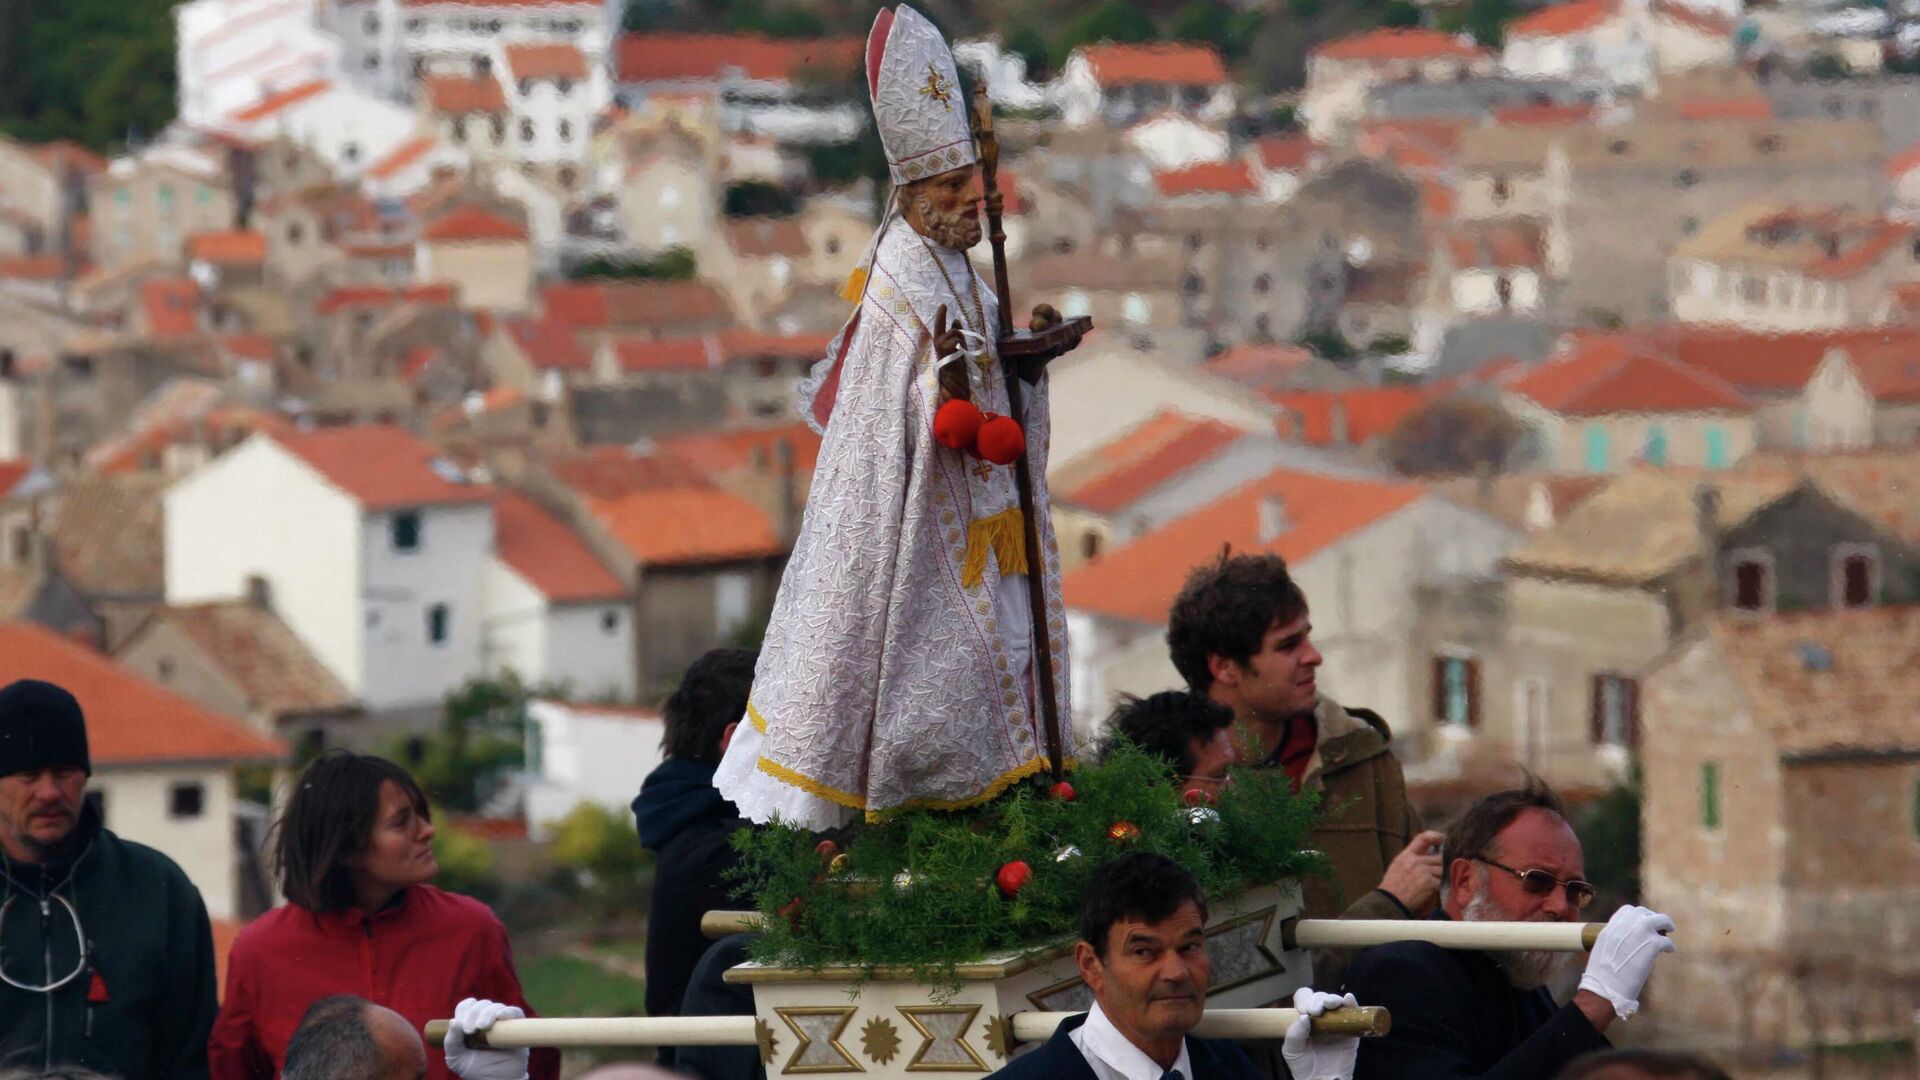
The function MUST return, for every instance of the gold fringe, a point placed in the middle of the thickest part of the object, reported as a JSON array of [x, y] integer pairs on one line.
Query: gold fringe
[[1005, 534], [856, 285]]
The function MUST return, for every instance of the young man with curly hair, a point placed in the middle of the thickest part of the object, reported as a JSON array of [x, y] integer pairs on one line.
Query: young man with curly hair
[[1241, 634]]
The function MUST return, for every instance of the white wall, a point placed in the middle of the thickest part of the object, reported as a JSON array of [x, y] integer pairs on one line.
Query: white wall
[[137, 801], [231, 53], [401, 587], [513, 623], [582, 652], [588, 756], [258, 509], [1477, 291], [1098, 392]]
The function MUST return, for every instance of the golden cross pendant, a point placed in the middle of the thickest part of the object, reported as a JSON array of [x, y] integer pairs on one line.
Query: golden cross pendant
[[983, 470]]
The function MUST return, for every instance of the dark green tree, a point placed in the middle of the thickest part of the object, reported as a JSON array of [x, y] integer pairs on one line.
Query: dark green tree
[[1115, 21], [1609, 833], [1487, 20], [674, 264], [95, 71]]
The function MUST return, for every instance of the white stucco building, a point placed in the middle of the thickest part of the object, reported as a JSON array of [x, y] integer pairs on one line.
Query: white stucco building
[[553, 612], [586, 753], [372, 549], [232, 53]]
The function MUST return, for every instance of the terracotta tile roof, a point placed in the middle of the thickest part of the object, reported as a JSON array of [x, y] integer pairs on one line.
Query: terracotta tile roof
[[51, 266], [1398, 44], [1207, 178], [1543, 115], [549, 344], [1891, 375], [1828, 682], [11, 473], [455, 94], [1562, 19], [1503, 245], [546, 62], [687, 354], [1905, 161], [403, 157], [283, 99], [600, 304], [1438, 201], [647, 58], [250, 346], [1309, 414], [1140, 460], [1265, 368], [170, 305], [1440, 134], [471, 223], [1723, 108], [263, 657], [1880, 485], [1285, 153], [1139, 580], [766, 237], [1643, 524], [677, 526], [1693, 18], [235, 248], [611, 472], [1131, 65], [1600, 378], [359, 296], [136, 450], [716, 454], [107, 535], [130, 721], [550, 556], [1757, 362], [381, 467], [1876, 244], [66, 152]]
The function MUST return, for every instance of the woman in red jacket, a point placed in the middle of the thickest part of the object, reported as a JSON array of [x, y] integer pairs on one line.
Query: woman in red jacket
[[353, 857]]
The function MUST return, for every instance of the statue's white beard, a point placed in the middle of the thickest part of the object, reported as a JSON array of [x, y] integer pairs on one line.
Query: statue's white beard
[[958, 230], [1525, 969]]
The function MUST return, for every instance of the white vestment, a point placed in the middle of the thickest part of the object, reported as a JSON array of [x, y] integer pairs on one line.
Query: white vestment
[[897, 670]]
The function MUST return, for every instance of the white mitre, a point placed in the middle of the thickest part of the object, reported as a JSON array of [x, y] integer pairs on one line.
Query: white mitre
[[917, 103]]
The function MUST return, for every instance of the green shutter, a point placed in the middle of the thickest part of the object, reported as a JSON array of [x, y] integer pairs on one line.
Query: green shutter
[[1710, 795]]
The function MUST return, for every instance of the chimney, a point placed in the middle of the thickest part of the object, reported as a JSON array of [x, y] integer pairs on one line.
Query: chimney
[[1340, 435], [259, 593], [1706, 502], [1273, 518]]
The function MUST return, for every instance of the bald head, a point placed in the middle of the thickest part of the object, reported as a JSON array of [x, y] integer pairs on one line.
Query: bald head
[[344, 1037], [402, 1055]]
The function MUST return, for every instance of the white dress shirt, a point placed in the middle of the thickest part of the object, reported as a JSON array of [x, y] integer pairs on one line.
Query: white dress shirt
[[1112, 1057]]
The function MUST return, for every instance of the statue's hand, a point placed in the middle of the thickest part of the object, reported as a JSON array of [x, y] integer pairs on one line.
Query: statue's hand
[[947, 341], [1044, 315], [946, 338]]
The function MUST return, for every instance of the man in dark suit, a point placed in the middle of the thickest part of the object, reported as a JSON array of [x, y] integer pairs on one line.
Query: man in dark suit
[[1142, 952], [1459, 1013]]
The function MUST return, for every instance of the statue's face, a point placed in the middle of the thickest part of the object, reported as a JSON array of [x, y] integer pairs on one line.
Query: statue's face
[[945, 208]]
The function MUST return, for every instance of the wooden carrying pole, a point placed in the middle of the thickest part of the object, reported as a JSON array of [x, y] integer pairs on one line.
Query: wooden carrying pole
[[1340, 933], [1367, 1020], [989, 150]]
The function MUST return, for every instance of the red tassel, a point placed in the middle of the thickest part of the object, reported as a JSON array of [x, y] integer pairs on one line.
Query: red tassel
[[97, 990], [1001, 441], [956, 423]]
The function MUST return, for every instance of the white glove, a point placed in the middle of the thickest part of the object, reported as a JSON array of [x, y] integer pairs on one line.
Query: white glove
[[1326, 1057], [1623, 957], [475, 1014]]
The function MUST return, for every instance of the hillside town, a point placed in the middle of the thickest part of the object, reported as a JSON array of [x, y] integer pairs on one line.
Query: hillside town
[[452, 343]]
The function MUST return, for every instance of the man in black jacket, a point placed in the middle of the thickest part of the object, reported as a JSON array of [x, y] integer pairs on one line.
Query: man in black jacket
[[1457, 1013], [1143, 954], [106, 956], [686, 823]]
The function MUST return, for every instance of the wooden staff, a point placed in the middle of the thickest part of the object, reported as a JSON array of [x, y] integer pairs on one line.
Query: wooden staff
[[1341, 933], [1028, 1027], [989, 152]]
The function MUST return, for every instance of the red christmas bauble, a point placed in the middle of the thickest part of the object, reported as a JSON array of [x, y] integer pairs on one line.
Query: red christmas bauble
[[1001, 441], [790, 911], [1062, 791], [1123, 832], [1013, 877], [826, 849], [957, 423], [1194, 796]]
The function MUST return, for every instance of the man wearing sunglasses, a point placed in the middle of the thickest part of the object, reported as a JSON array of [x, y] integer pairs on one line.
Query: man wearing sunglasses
[[1511, 857]]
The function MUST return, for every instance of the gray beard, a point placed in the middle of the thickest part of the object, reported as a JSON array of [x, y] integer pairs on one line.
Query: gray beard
[[958, 230], [1525, 969]]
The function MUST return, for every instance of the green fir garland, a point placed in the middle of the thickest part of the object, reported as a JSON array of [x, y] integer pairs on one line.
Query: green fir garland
[[951, 912]]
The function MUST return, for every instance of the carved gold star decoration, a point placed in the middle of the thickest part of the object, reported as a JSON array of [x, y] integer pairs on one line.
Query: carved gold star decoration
[[1000, 1035], [763, 1034], [937, 88], [880, 1039]]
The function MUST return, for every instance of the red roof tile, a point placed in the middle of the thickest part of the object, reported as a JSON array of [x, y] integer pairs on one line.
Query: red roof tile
[[600, 304], [137, 449], [274, 103], [1395, 44], [1905, 161], [1543, 115], [1501, 245], [1177, 64], [51, 266], [130, 721], [1370, 413], [1561, 19], [550, 556], [647, 58], [1207, 178], [1757, 362], [249, 346], [681, 526], [471, 223], [262, 656], [549, 344], [1890, 374], [716, 454], [11, 473], [170, 305], [1705, 22], [1261, 367], [669, 354], [1139, 580], [1612, 376], [358, 296], [1285, 153], [1154, 452], [462, 94], [381, 467], [1879, 241], [611, 472], [546, 62], [228, 248], [400, 159]]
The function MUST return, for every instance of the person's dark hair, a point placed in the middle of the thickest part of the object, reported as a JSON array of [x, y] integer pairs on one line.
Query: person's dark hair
[[711, 695], [1632, 1064], [1138, 885], [1472, 833], [1225, 609], [1166, 724], [328, 822], [333, 1042]]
